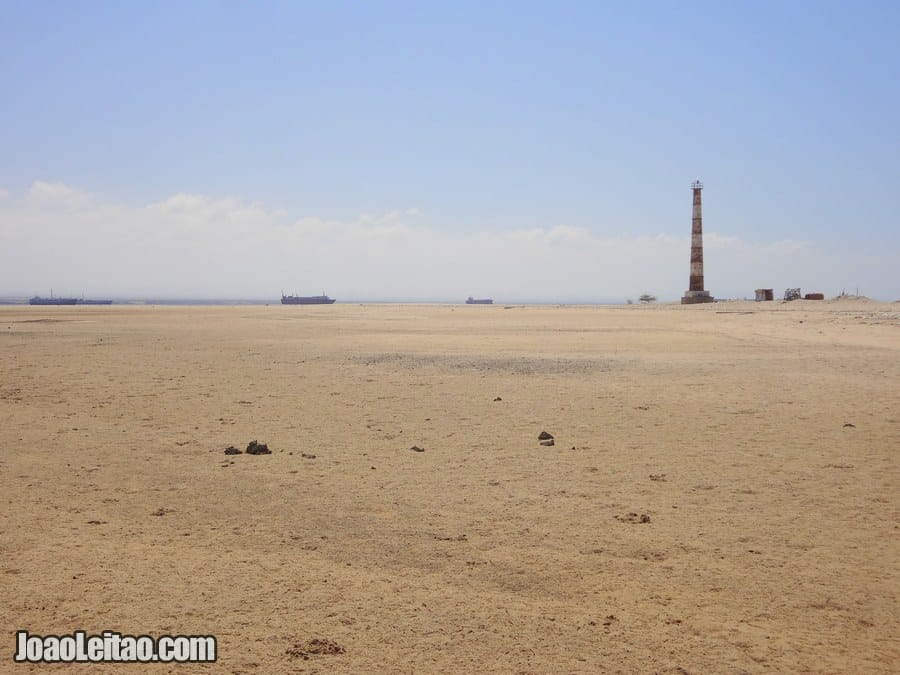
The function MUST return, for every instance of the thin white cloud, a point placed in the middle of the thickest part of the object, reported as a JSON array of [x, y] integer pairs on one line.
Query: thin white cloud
[[191, 245], [58, 195]]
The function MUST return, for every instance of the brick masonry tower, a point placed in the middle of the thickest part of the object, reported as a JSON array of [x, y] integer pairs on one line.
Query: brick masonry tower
[[695, 293]]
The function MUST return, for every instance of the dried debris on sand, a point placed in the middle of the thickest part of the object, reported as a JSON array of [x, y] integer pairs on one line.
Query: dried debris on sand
[[314, 647]]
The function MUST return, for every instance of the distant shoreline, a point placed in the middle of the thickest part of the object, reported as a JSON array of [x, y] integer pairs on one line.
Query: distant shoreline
[[276, 301], [206, 302]]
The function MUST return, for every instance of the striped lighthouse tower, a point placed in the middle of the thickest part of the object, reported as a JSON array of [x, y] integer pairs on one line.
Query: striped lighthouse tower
[[695, 293]]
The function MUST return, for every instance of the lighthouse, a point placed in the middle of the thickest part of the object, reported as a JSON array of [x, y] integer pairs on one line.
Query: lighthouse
[[696, 293]]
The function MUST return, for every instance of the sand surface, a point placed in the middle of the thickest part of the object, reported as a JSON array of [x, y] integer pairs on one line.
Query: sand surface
[[772, 542]]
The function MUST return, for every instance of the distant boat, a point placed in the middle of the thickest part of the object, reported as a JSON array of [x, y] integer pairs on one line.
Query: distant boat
[[479, 301], [38, 300], [306, 299]]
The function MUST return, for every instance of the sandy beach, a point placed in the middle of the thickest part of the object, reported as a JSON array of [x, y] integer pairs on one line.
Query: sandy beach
[[722, 495]]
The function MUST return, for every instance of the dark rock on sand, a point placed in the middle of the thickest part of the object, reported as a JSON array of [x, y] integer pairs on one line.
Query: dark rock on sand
[[255, 448], [231, 450], [548, 442], [544, 436], [416, 448]]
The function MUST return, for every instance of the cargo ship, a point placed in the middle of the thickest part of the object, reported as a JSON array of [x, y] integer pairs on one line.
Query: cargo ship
[[38, 300], [306, 299], [479, 301]]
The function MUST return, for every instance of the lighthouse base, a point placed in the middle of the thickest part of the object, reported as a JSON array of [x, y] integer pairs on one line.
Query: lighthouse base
[[696, 297]]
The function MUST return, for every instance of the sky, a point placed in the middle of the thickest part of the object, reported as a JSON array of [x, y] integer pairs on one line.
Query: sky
[[528, 151]]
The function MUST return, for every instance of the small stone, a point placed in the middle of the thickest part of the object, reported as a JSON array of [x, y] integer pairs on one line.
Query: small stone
[[231, 450], [848, 424], [498, 399], [254, 448], [544, 436], [548, 442], [416, 448]]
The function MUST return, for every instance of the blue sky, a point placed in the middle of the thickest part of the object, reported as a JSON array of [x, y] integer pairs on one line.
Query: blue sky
[[469, 120]]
